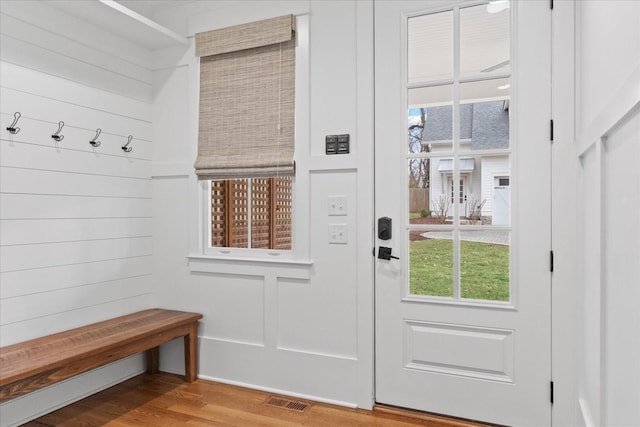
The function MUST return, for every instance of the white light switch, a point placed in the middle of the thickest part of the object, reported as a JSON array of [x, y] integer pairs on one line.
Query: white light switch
[[338, 234], [337, 205]]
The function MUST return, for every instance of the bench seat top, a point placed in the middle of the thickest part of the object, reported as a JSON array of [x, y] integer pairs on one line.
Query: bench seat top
[[29, 358]]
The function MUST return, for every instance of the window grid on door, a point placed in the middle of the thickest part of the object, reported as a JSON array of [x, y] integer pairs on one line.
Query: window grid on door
[[457, 148]]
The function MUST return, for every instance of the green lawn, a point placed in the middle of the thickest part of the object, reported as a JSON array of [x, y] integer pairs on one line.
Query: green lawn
[[484, 269]]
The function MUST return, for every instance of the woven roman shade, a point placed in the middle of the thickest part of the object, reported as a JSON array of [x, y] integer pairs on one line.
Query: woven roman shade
[[247, 91]]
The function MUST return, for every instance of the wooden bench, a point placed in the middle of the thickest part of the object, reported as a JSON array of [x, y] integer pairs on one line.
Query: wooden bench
[[30, 365]]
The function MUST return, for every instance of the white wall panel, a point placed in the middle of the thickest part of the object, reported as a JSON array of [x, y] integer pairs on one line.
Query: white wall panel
[[53, 302], [590, 284], [29, 33], [329, 48], [236, 310], [310, 342], [45, 325], [84, 116], [622, 273], [32, 181], [91, 160], [39, 280], [51, 254], [25, 54], [56, 22], [314, 376], [608, 131], [70, 92], [318, 317], [76, 220], [24, 232], [29, 206], [36, 36]]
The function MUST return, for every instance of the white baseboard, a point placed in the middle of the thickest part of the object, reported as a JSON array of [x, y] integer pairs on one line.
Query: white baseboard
[[278, 391]]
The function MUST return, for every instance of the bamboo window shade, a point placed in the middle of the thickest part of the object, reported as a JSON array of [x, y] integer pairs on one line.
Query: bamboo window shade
[[247, 91]]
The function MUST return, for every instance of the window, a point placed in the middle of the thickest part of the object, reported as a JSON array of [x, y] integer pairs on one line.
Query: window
[[266, 225], [246, 132], [458, 75]]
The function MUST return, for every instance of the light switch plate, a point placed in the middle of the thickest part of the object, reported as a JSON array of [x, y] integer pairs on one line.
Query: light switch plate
[[338, 234], [337, 205]]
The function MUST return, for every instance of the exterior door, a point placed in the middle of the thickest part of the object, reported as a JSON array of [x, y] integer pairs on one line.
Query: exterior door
[[461, 190], [463, 319]]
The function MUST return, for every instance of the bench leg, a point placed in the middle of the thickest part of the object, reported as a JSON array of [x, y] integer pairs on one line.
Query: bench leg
[[153, 360], [191, 353]]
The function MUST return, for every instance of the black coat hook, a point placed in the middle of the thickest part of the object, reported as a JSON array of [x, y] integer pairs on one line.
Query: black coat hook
[[95, 141], [126, 147], [57, 135], [12, 127]]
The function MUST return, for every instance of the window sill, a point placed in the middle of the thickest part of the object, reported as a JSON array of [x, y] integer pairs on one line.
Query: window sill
[[249, 266]]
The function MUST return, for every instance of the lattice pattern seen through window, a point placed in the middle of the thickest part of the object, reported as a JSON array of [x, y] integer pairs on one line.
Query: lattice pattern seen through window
[[270, 223]]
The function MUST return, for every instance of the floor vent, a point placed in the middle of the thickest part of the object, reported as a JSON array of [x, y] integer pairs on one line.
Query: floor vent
[[287, 404]]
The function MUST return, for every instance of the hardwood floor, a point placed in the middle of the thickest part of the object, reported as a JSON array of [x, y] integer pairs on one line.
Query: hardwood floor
[[166, 400]]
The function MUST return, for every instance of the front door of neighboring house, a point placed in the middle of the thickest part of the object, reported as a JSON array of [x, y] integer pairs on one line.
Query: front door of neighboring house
[[457, 194], [462, 315]]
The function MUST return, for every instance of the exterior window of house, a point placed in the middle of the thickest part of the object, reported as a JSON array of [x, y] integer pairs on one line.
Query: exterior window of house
[[251, 213], [246, 133]]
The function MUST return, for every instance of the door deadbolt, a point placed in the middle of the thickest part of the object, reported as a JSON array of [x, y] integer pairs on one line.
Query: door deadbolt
[[384, 228]]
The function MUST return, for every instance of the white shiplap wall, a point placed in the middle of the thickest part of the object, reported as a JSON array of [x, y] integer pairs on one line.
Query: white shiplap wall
[[75, 220]]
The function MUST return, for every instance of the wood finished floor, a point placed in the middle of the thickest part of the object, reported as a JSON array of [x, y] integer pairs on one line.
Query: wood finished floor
[[166, 400]]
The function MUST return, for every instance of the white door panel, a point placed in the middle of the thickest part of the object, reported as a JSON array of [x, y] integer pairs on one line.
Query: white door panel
[[451, 350]]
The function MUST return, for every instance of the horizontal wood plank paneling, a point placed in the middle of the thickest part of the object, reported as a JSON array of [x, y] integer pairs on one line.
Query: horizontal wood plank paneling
[[93, 161], [37, 57], [39, 280], [76, 220], [29, 33], [57, 23], [51, 254], [51, 111], [45, 325], [25, 232], [27, 206], [49, 303], [36, 83], [39, 37], [30, 181]]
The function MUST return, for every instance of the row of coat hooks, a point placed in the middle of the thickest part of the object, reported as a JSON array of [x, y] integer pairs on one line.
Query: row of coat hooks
[[14, 129]]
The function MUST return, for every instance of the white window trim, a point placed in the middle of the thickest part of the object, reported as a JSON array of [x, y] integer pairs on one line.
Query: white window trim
[[204, 258]]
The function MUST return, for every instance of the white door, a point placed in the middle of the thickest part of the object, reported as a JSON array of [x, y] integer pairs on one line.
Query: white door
[[460, 192], [463, 315]]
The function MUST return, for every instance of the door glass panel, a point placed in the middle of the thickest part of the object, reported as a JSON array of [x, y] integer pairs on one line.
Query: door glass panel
[[484, 39], [428, 197], [484, 264], [420, 211], [484, 115], [467, 190], [430, 47], [430, 119], [431, 263], [484, 193]]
